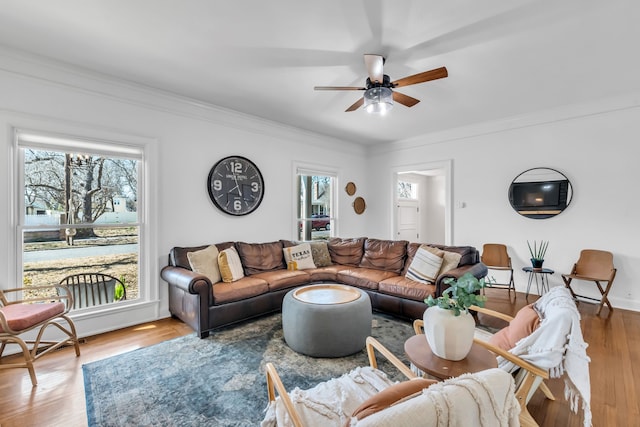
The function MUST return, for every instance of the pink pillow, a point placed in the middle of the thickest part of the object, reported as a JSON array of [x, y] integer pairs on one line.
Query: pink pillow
[[523, 324]]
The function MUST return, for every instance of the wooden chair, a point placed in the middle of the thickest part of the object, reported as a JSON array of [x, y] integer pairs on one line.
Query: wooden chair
[[393, 402], [529, 377], [90, 289], [496, 257], [593, 266], [20, 316]]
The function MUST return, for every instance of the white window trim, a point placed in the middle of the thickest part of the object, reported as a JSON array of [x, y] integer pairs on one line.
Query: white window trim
[[147, 308], [314, 169]]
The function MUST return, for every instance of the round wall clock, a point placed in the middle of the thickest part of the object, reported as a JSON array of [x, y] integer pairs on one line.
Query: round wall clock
[[235, 185]]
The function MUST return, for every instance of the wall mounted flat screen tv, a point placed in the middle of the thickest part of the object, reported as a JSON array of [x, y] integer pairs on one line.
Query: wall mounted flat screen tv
[[539, 196]]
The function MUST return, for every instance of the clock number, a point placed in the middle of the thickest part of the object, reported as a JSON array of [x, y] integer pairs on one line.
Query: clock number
[[255, 187], [236, 167], [217, 185], [237, 205]]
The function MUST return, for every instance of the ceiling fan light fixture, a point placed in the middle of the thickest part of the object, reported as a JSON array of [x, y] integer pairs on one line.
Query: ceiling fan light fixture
[[378, 100]]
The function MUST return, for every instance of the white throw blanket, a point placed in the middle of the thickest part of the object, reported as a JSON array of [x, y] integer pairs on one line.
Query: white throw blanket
[[483, 399], [330, 403], [557, 345]]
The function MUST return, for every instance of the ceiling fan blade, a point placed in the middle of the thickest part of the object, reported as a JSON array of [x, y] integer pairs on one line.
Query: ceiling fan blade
[[426, 76], [374, 64], [405, 100], [355, 105], [339, 88]]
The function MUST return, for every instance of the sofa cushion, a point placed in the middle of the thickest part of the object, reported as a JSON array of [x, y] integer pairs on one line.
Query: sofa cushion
[[205, 261], [230, 265], [298, 257], [400, 286], [386, 255], [391, 395], [326, 274], [245, 288], [365, 278], [259, 257], [282, 279], [346, 251], [425, 265], [523, 324]]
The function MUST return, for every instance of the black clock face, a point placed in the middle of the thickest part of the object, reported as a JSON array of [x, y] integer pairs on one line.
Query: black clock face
[[235, 185]]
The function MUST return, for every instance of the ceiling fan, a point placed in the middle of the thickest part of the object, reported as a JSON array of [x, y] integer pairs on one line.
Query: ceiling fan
[[379, 94]]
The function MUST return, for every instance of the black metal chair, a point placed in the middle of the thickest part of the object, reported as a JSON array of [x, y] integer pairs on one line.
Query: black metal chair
[[91, 289]]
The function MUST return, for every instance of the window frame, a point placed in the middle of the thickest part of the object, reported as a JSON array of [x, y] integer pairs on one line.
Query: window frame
[[305, 169], [95, 142]]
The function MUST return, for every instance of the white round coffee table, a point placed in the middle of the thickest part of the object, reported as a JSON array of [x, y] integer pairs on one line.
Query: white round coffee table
[[326, 320]]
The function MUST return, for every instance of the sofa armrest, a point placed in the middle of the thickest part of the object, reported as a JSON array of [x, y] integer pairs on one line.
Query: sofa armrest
[[479, 270], [189, 281]]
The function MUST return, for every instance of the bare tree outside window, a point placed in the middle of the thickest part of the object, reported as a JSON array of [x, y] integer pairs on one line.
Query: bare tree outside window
[[85, 202]]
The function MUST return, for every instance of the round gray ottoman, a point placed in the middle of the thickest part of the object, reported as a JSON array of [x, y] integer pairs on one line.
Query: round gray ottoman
[[326, 320]]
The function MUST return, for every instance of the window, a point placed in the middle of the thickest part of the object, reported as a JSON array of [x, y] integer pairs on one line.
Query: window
[[79, 210], [315, 205], [407, 190]]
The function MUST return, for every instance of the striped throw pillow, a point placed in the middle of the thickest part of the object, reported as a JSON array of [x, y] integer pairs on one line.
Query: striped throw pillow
[[425, 266]]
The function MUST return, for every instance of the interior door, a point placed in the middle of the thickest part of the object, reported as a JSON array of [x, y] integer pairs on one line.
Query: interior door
[[408, 220]]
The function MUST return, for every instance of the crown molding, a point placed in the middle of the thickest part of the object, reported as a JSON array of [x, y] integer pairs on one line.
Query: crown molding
[[607, 105], [49, 71]]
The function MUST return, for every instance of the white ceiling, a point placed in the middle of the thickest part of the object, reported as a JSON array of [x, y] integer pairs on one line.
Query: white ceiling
[[505, 58]]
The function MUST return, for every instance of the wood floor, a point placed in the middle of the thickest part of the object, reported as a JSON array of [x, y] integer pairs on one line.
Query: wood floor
[[614, 349]]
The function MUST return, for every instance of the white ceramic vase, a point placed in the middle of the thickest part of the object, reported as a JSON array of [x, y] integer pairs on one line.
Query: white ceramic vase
[[449, 336]]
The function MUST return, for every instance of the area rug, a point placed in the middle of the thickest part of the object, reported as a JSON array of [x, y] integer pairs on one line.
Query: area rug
[[217, 381]]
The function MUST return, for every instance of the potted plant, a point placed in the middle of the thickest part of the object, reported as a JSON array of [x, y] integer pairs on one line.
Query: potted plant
[[448, 325], [537, 253]]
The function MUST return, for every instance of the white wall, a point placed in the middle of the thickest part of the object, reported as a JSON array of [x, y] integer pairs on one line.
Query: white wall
[[594, 145], [187, 139], [594, 149]]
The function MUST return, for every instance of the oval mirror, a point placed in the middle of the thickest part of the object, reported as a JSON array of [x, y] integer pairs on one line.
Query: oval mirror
[[540, 193]]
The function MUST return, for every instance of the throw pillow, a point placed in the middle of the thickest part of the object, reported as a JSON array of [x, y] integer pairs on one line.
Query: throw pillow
[[320, 253], [390, 396], [450, 260], [425, 266], [523, 324], [230, 265], [205, 262], [300, 256]]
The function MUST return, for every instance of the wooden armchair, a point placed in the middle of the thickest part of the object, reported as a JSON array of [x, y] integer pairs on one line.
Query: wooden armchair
[[19, 316], [529, 377], [367, 398]]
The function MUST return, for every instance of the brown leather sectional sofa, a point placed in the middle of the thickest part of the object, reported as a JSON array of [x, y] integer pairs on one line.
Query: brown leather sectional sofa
[[376, 266]]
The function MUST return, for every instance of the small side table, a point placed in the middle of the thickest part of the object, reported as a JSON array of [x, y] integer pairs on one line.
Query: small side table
[[541, 273], [419, 353]]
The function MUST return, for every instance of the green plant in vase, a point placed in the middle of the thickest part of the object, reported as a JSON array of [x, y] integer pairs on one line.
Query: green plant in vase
[[537, 252], [448, 325], [460, 295]]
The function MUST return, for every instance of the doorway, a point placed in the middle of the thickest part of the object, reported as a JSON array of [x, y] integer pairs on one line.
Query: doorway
[[422, 205]]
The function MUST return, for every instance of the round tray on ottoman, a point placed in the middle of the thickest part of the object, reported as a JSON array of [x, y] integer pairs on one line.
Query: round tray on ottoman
[[326, 320]]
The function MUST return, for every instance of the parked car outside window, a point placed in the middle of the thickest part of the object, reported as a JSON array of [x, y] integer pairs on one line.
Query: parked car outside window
[[319, 222]]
